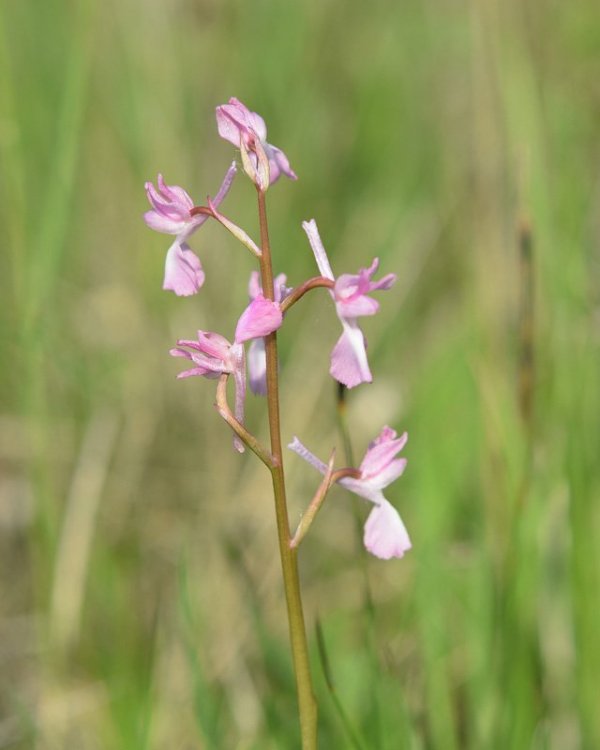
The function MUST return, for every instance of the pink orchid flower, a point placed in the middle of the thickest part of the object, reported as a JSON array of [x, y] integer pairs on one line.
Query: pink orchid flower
[[257, 358], [212, 355], [260, 318], [247, 131], [170, 214], [349, 364], [385, 535]]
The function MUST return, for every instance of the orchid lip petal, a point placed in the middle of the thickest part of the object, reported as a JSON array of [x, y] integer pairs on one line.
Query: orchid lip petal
[[349, 364], [183, 270], [385, 535]]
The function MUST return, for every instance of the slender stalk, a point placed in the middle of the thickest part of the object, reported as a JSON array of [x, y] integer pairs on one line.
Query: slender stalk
[[299, 292], [237, 232], [246, 437], [319, 498], [289, 557]]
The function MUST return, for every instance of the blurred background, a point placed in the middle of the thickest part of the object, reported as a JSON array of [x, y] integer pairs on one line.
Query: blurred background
[[141, 602]]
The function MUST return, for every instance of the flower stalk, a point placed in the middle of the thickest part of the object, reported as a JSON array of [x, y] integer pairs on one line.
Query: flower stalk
[[246, 437], [213, 356], [315, 283], [309, 516], [307, 704]]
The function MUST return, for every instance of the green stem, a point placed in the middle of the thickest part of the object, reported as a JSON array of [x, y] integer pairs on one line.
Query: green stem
[[289, 557], [246, 437], [331, 477]]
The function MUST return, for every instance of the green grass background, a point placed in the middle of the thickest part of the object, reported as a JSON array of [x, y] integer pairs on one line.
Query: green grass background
[[141, 603]]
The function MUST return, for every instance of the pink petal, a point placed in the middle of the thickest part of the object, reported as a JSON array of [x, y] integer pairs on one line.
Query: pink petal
[[386, 282], [214, 345], [279, 163], [257, 367], [371, 486], [385, 436], [356, 307], [176, 352], [164, 224], [158, 201], [210, 366], [256, 122], [280, 288], [385, 535], [183, 270], [175, 194], [260, 318], [241, 116], [192, 372], [226, 184], [349, 364], [381, 452], [229, 128], [168, 204], [254, 285], [310, 227], [365, 283]]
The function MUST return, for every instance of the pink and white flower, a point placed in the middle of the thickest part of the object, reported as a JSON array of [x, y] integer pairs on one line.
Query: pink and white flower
[[170, 214], [247, 131], [212, 355], [349, 364], [260, 318], [257, 358], [385, 535]]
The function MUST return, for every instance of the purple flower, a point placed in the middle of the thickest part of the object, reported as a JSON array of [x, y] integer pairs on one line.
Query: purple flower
[[212, 355], [349, 364], [385, 535], [247, 131], [170, 214], [257, 358]]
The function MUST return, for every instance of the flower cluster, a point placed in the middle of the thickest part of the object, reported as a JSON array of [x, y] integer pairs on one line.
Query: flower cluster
[[213, 356]]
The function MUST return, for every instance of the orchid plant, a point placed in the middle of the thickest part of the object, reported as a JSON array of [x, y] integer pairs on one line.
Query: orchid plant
[[213, 356]]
